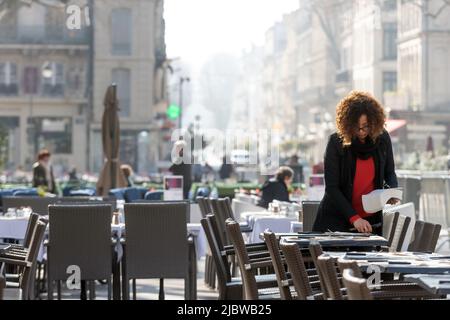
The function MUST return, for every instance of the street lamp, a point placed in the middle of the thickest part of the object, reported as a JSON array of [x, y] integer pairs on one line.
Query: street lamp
[[47, 71]]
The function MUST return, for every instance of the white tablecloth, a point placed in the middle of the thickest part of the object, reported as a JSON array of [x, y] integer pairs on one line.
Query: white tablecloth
[[260, 221], [200, 238], [239, 207], [13, 228]]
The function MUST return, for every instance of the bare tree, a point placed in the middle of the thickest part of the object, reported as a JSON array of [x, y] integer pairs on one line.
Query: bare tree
[[426, 9], [328, 14]]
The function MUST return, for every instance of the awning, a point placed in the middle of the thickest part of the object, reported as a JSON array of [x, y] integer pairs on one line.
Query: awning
[[393, 125]]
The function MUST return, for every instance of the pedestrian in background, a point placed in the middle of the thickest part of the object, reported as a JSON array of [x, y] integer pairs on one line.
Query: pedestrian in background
[[43, 173]]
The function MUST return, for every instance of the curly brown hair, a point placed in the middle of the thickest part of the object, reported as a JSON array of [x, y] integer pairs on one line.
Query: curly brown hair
[[350, 110]]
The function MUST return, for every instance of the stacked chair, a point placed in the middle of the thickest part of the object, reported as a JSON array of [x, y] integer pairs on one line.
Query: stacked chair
[[24, 258], [333, 288], [425, 237], [253, 288], [231, 288], [356, 287]]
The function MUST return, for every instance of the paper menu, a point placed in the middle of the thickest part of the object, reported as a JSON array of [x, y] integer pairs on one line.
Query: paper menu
[[377, 199]]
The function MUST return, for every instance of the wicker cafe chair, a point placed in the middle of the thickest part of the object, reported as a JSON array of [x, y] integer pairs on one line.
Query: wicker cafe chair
[[27, 265], [221, 218], [316, 251], [88, 200], [2, 286], [226, 212], [18, 251], [213, 204], [309, 209], [204, 206], [209, 279], [225, 205], [209, 261], [156, 244], [229, 288], [426, 236], [303, 284], [249, 267], [256, 251], [283, 278], [356, 287], [278, 265], [395, 289], [330, 280], [80, 235], [327, 273]]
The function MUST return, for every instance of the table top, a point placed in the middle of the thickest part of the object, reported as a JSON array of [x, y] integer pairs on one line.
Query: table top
[[334, 239], [398, 262], [435, 283]]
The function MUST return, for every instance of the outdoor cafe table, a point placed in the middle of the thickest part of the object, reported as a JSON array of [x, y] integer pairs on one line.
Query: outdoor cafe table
[[15, 228], [434, 283], [398, 262], [262, 220], [333, 240]]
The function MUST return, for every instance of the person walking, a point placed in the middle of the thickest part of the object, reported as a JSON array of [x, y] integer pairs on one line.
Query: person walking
[[43, 173]]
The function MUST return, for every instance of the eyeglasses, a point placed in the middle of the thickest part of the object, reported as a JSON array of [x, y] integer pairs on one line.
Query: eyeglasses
[[365, 128]]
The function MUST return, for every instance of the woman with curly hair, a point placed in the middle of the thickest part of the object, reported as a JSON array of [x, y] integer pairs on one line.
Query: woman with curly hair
[[358, 160]]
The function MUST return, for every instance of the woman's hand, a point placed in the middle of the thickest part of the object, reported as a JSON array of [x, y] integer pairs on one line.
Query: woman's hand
[[363, 226], [394, 201]]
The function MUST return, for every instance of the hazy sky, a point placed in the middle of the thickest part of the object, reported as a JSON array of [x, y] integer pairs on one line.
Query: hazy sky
[[196, 29]]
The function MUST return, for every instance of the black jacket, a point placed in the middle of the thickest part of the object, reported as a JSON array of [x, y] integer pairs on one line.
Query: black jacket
[[336, 208], [40, 178], [273, 190]]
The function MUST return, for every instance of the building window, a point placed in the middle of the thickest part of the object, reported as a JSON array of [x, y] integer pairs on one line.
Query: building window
[[10, 144], [121, 77], [8, 79], [134, 149], [390, 41], [121, 32], [389, 81], [54, 134], [75, 82], [53, 86], [30, 80]]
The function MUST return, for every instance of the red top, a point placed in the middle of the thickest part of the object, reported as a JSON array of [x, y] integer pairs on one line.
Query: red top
[[362, 185]]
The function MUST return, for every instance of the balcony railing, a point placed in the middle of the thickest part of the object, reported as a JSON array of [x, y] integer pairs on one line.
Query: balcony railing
[[43, 34]]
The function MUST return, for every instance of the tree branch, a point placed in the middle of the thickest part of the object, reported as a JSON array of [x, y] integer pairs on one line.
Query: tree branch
[[445, 4], [320, 11]]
